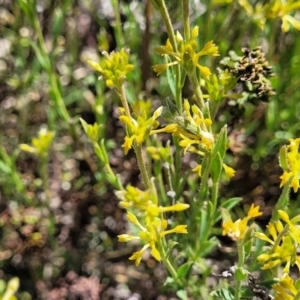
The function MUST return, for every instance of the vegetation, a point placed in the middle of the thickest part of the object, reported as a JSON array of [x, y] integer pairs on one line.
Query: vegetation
[[182, 158]]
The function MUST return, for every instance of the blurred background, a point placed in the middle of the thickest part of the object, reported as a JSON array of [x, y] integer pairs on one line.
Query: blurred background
[[59, 217]]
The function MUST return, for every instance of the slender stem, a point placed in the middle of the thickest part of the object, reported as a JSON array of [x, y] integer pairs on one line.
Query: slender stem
[[186, 19], [165, 259], [118, 24], [122, 95], [57, 97], [165, 15], [214, 198], [272, 39], [197, 89], [142, 165], [241, 260], [282, 201], [161, 6], [137, 149], [204, 178]]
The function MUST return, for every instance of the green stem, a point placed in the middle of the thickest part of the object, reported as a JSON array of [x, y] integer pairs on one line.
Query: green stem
[[272, 39], [166, 261], [214, 198], [118, 25], [197, 89], [122, 95], [241, 261], [161, 6], [204, 178], [56, 94], [142, 165], [186, 19], [282, 201], [138, 149]]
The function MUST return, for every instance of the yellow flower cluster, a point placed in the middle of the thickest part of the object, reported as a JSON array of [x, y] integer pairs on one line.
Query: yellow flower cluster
[[186, 54], [154, 230], [285, 289], [138, 130], [114, 67], [41, 144], [238, 229], [277, 9], [284, 244], [290, 163], [191, 129]]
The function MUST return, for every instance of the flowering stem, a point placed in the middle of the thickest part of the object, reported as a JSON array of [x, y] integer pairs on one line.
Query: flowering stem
[[161, 7], [122, 95], [117, 28], [186, 19], [198, 93], [142, 165], [282, 201], [137, 149], [214, 200], [279, 238], [204, 178], [241, 259], [165, 259]]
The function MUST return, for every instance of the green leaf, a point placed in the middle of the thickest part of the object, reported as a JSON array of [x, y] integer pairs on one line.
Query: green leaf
[[225, 214], [223, 294], [171, 79], [184, 270], [203, 223], [57, 23], [170, 111], [171, 245], [208, 246], [221, 143], [241, 274], [247, 249], [228, 205], [283, 158], [169, 281], [216, 167], [5, 168], [182, 294]]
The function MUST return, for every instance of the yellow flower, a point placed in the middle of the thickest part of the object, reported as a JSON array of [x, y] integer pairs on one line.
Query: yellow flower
[[139, 129], [145, 201], [284, 244], [151, 234], [41, 144], [197, 170], [285, 289], [154, 210], [277, 9], [291, 165], [160, 153], [229, 171], [114, 67], [278, 255], [294, 231], [133, 197], [238, 229], [186, 54]]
